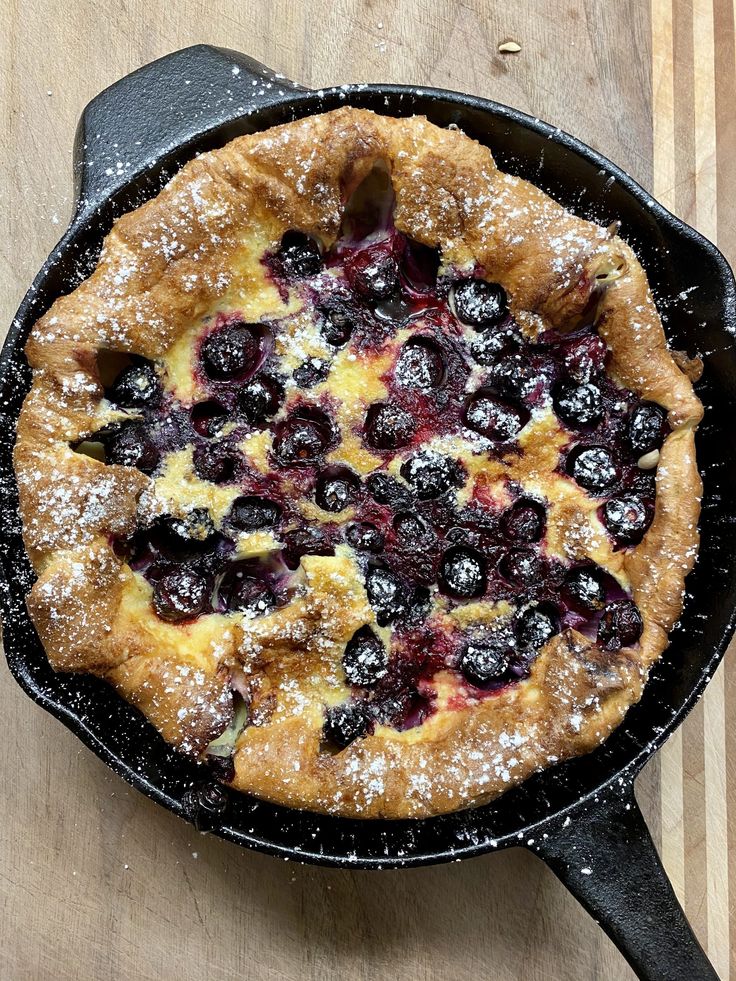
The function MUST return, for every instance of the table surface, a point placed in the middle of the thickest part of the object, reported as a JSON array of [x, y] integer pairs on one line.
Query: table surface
[[98, 882]]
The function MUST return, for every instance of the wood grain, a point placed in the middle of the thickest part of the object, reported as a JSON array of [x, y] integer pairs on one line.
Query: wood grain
[[97, 882]]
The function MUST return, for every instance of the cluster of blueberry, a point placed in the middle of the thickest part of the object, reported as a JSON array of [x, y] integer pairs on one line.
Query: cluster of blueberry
[[409, 534]]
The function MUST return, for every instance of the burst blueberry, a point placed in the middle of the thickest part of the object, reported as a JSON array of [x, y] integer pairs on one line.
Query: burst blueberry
[[347, 722], [308, 540], [373, 272], [248, 594], [495, 341], [594, 468], [252, 513], [620, 626], [535, 627], [131, 446], [585, 588], [260, 398], [647, 426], [298, 256], [230, 351], [431, 474], [388, 426], [336, 489], [513, 375], [180, 595], [420, 365], [463, 573], [524, 521], [365, 660], [478, 303], [364, 536], [301, 441], [386, 489], [493, 417], [311, 372], [520, 566], [136, 387], [627, 518], [486, 659], [579, 405], [386, 594]]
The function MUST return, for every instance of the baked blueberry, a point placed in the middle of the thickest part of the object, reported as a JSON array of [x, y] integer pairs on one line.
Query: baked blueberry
[[487, 658], [535, 626], [301, 441], [247, 594], [418, 607], [260, 398], [364, 536], [494, 341], [478, 303], [209, 418], [585, 358], [250, 513], [347, 722], [463, 572], [647, 425], [520, 566], [579, 405], [420, 365], [388, 426], [627, 517], [430, 474], [386, 594], [230, 351], [311, 372], [620, 626], [336, 489], [136, 387], [298, 256], [309, 540], [131, 446], [594, 468], [513, 375], [412, 529], [584, 587], [373, 272], [386, 489], [493, 417], [524, 521], [214, 463], [181, 594], [365, 660], [336, 320]]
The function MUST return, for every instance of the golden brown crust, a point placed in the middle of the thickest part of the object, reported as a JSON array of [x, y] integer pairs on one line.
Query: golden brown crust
[[182, 255]]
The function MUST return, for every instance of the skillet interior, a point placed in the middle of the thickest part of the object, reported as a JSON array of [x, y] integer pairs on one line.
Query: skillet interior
[[694, 289]]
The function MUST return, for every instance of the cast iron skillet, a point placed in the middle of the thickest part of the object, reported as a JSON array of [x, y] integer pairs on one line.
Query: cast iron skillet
[[581, 817]]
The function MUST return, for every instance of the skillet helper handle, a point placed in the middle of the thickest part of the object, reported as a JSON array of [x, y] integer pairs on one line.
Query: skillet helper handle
[[160, 108], [606, 857]]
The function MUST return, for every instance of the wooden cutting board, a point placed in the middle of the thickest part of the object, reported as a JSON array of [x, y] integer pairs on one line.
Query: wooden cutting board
[[98, 882]]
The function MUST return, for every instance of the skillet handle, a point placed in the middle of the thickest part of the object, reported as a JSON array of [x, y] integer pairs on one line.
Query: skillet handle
[[605, 856], [160, 108]]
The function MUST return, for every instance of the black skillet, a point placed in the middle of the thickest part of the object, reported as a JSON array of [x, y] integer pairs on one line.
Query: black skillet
[[581, 818]]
